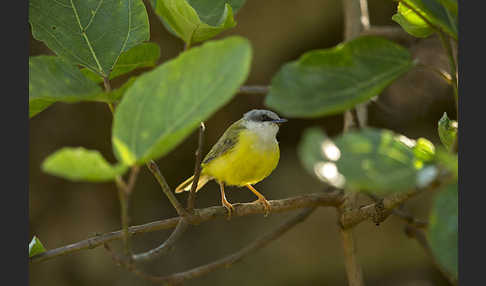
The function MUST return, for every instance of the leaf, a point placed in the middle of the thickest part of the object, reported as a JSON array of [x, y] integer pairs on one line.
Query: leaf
[[424, 152], [411, 22], [447, 131], [212, 12], [116, 95], [80, 164], [89, 33], [143, 55], [35, 246], [451, 5], [447, 160], [378, 161], [165, 105], [437, 14], [184, 21], [330, 81], [442, 232], [317, 153], [51, 80]]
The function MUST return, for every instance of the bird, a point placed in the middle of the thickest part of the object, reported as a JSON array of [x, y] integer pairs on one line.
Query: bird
[[244, 155]]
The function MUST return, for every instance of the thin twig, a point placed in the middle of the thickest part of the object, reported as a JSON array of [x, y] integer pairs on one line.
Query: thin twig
[[106, 82], [177, 278], [334, 198], [197, 168], [410, 219], [452, 64], [254, 89], [154, 169], [124, 191], [165, 247], [379, 211], [420, 237], [353, 267]]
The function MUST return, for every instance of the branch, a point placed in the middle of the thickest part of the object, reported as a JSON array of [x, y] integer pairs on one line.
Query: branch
[[419, 235], [197, 168], [154, 169], [379, 211], [178, 278], [398, 212], [164, 247], [124, 192], [254, 89], [334, 198]]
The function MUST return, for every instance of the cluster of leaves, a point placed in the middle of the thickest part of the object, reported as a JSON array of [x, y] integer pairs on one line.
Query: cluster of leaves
[[95, 41]]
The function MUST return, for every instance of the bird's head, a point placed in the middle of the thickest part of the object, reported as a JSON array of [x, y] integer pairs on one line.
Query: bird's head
[[263, 121]]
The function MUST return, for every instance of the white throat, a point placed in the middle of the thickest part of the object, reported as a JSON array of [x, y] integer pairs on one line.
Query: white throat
[[266, 131]]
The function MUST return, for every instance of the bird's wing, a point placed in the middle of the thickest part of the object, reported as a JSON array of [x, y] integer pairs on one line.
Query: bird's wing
[[227, 141]]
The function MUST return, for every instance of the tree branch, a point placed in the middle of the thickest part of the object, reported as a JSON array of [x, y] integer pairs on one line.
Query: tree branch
[[334, 198], [254, 89], [197, 168], [154, 169], [178, 278], [379, 211]]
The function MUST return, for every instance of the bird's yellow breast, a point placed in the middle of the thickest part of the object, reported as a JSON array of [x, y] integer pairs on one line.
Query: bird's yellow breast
[[248, 162]]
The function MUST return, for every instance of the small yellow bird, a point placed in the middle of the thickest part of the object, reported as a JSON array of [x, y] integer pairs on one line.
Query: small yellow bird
[[246, 154]]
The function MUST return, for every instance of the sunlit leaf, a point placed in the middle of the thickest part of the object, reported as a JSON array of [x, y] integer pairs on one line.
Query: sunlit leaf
[[330, 81], [51, 80], [424, 151], [447, 160], [143, 55], [437, 14], [442, 232], [165, 105], [35, 246], [447, 131], [378, 161], [80, 164], [411, 22], [184, 21], [91, 33]]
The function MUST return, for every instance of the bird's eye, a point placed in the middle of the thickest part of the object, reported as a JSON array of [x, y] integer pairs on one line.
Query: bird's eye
[[265, 118]]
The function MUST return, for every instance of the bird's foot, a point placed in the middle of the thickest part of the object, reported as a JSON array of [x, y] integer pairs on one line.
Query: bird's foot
[[266, 205], [230, 208]]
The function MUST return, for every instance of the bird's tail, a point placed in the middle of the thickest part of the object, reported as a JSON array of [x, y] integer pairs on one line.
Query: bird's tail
[[187, 184]]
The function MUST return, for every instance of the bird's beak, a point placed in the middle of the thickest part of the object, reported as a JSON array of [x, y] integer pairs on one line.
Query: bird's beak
[[280, 121]]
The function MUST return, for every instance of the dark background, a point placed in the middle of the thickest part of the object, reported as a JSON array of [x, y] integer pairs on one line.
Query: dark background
[[63, 212]]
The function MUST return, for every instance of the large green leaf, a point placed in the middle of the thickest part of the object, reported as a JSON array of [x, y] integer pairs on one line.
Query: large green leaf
[[35, 247], [411, 22], [443, 229], [51, 79], [91, 33], [447, 131], [165, 105], [437, 14], [330, 81], [143, 55], [187, 23], [80, 164]]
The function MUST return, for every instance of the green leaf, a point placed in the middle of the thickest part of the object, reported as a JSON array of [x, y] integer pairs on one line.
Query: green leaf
[[80, 164], [447, 160], [451, 5], [411, 22], [330, 81], [424, 152], [310, 148], [447, 131], [89, 33], [51, 80], [165, 105], [212, 12], [378, 161], [143, 55], [35, 246], [437, 14], [186, 24], [443, 229]]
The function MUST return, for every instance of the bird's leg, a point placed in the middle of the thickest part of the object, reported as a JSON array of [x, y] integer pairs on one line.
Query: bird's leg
[[229, 207], [261, 198]]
